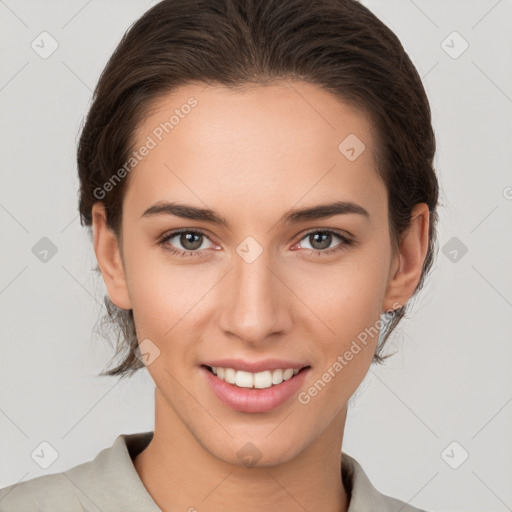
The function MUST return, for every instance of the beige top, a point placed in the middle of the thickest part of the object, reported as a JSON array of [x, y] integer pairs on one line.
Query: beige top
[[110, 483]]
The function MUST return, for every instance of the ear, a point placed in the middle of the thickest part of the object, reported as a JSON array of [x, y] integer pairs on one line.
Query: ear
[[407, 263], [109, 259]]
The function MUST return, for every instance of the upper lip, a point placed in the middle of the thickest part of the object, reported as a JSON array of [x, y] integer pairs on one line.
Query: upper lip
[[256, 366]]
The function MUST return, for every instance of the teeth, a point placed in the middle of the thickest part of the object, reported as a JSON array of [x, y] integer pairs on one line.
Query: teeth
[[260, 380], [230, 375]]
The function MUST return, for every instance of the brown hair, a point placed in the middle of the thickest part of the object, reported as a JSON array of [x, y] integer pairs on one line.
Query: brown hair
[[339, 45]]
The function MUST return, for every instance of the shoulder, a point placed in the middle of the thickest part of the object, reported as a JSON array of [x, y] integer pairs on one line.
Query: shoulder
[[109, 482], [43, 494], [396, 505], [364, 496]]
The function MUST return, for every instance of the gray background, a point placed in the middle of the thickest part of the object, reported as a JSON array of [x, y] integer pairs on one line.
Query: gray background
[[450, 381]]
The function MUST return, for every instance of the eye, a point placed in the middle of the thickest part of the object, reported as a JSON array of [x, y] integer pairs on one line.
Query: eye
[[321, 240], [191, 241]]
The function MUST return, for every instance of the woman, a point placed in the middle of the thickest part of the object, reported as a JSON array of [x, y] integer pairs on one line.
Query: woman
[[258, 177]]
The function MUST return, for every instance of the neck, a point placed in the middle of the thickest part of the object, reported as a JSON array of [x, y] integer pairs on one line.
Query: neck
[[181, 474]]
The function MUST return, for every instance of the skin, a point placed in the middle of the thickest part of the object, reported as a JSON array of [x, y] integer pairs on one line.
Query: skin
[[251, 156]]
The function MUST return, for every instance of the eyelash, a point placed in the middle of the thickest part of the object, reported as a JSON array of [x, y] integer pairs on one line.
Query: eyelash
[[345, 242]]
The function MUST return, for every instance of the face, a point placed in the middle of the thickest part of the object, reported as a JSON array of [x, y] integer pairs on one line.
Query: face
[[262, 284]]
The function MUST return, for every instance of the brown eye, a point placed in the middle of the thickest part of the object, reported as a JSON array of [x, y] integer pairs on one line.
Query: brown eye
[[190, 241], [321, 241], [186, 242]]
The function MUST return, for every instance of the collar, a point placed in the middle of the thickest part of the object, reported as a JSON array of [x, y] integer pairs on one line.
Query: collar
[[114, 467]]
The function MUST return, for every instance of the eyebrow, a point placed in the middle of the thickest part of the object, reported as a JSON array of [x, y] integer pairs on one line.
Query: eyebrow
[[293, 216]]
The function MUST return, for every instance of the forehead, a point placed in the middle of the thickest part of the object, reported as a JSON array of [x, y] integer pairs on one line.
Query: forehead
[[278, 143], [288, 115]]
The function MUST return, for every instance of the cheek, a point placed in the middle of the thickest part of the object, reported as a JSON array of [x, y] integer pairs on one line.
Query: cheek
[[164, 303], [346, 296], [168, 299], [340, 299], [350, 305]]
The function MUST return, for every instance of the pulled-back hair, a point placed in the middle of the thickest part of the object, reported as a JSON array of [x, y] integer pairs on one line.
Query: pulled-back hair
[[338, 45]]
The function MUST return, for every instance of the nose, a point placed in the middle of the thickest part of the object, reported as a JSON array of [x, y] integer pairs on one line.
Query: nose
[[254, 300]]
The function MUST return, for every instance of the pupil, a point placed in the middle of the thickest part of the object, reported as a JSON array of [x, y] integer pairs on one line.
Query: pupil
[[186, 239], [326, 237]]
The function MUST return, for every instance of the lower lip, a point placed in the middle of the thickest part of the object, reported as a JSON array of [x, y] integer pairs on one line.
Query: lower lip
[[252, 399]]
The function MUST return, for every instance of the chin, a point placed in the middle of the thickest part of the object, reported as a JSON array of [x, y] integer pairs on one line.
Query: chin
[[253, 451]]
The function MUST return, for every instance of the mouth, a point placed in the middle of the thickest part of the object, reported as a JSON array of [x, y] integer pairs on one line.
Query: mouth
[[254, 380], [259, 392]]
